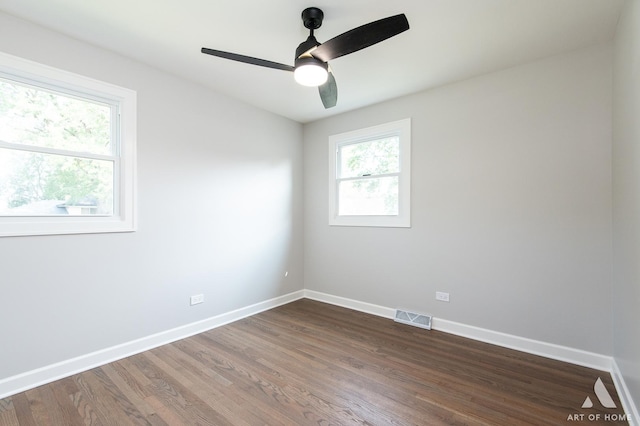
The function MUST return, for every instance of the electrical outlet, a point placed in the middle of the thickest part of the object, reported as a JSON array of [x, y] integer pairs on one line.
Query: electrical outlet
[[198, 298], [442, 296]]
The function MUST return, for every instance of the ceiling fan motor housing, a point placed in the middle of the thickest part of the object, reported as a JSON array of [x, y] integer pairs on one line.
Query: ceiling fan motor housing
[[312, 18], [306, 46]]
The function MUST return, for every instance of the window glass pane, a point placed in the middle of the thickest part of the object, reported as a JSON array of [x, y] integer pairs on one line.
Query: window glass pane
[[370, 158], [37, 117], [368, 197], [33, 184]]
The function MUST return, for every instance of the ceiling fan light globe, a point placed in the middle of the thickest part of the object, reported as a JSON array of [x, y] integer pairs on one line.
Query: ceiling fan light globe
[[310, 72], [311, 75]]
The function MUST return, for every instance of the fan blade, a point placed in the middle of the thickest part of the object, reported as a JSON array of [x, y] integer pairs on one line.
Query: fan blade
[[329, 92], [361, 37], [247, 59]]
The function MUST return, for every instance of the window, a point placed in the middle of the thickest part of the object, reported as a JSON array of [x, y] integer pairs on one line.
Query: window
[[370, 176], [67, 152]]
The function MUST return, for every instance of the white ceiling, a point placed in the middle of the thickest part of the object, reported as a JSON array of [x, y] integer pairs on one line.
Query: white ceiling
[[449, 40]]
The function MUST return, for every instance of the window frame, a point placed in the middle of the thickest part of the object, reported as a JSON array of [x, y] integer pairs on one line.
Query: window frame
[[401, 129], [125, 102]]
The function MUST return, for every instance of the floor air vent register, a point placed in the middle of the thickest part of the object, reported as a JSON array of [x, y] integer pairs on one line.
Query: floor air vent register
[[412, 318]]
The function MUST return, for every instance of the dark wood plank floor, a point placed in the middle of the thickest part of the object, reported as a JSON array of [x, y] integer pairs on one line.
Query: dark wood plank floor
[[309, 363]]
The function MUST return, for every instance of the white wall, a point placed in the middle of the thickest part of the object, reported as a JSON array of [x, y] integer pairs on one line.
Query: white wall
[[511, 205], [219, 209], [626, 197]]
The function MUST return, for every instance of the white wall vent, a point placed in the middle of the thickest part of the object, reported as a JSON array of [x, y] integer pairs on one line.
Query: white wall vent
[[412, 318]]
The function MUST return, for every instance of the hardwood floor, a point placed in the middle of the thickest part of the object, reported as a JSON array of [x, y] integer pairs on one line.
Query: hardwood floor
[[311, 363]]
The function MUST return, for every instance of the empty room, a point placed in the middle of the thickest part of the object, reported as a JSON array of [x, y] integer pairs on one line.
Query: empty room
[[418, 212]]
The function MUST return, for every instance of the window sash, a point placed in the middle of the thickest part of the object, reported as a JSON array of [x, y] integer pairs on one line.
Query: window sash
[[107, 204], [88, 96], [352, 201], [378, 138]]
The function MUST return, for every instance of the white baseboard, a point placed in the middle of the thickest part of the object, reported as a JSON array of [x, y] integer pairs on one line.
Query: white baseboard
[[628, 405], [356, 305], [47, 374], [536, 347]]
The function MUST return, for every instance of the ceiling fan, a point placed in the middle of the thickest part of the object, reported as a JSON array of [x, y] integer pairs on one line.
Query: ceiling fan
[[311, 66]]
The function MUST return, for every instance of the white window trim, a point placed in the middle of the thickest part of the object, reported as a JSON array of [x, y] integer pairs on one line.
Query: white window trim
[[124, 218], [401, 128]]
